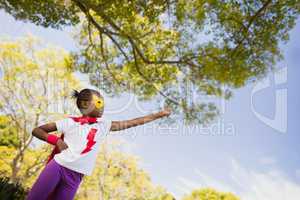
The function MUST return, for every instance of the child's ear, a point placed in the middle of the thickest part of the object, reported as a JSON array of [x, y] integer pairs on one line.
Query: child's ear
[[84, 104]]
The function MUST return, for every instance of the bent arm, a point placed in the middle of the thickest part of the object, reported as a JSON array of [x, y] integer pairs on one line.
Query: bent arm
[[41, 132], [121, 125]]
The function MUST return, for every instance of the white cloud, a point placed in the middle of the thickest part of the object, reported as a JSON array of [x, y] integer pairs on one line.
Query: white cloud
[[247, 184], [268, 161], [273, 185]]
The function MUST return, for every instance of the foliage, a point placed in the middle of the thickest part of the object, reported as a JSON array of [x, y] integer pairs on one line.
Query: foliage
[[40, 12], [13, 191], [8, 133], [172, 50], [27, 169], [209, 194], [34, 87], [32, 161]]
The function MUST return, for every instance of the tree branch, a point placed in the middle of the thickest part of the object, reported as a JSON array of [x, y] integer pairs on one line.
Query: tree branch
[[105, 62], [121, 33], [150, 82], [100, 28], [251, 21]]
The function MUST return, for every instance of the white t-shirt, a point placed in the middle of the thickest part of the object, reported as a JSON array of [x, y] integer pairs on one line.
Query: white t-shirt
[[83, 143]]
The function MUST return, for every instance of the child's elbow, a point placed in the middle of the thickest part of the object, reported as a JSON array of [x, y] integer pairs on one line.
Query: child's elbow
[[34, 131]]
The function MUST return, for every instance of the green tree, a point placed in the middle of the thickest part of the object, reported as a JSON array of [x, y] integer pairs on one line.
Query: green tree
[[35, 84], [8, 133], [27, 168], [170, 49], [209, 194]]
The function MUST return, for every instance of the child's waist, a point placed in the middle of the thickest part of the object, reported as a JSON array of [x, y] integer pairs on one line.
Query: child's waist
[[66, 169]]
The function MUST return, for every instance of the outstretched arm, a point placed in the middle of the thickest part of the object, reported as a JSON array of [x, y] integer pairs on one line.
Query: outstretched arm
[[121, 125]]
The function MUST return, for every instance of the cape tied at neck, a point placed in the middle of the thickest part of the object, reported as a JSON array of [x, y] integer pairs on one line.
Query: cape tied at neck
[[85, 120]]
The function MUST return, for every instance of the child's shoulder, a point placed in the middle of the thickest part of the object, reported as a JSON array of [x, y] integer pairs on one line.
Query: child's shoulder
[[67, 119]]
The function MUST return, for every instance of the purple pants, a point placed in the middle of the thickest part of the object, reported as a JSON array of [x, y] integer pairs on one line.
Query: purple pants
[[56, 183]]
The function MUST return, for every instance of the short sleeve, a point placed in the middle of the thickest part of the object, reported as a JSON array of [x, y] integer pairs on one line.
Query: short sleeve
[[61, 125]]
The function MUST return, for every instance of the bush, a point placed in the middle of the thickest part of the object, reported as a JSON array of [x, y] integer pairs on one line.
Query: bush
[[11, 191]]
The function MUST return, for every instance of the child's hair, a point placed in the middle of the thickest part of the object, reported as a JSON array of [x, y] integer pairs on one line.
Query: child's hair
[[84, 95]]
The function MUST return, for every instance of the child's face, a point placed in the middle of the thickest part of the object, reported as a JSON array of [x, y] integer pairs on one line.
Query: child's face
[[94, 106]]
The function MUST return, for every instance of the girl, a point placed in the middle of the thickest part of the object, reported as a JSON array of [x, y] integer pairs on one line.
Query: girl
[[78, 150]]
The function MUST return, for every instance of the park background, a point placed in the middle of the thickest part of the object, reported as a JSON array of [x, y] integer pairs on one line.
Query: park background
[[238, 152]]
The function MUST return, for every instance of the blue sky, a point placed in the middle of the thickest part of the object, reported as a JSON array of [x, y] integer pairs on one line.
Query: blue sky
[[250, 158]]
